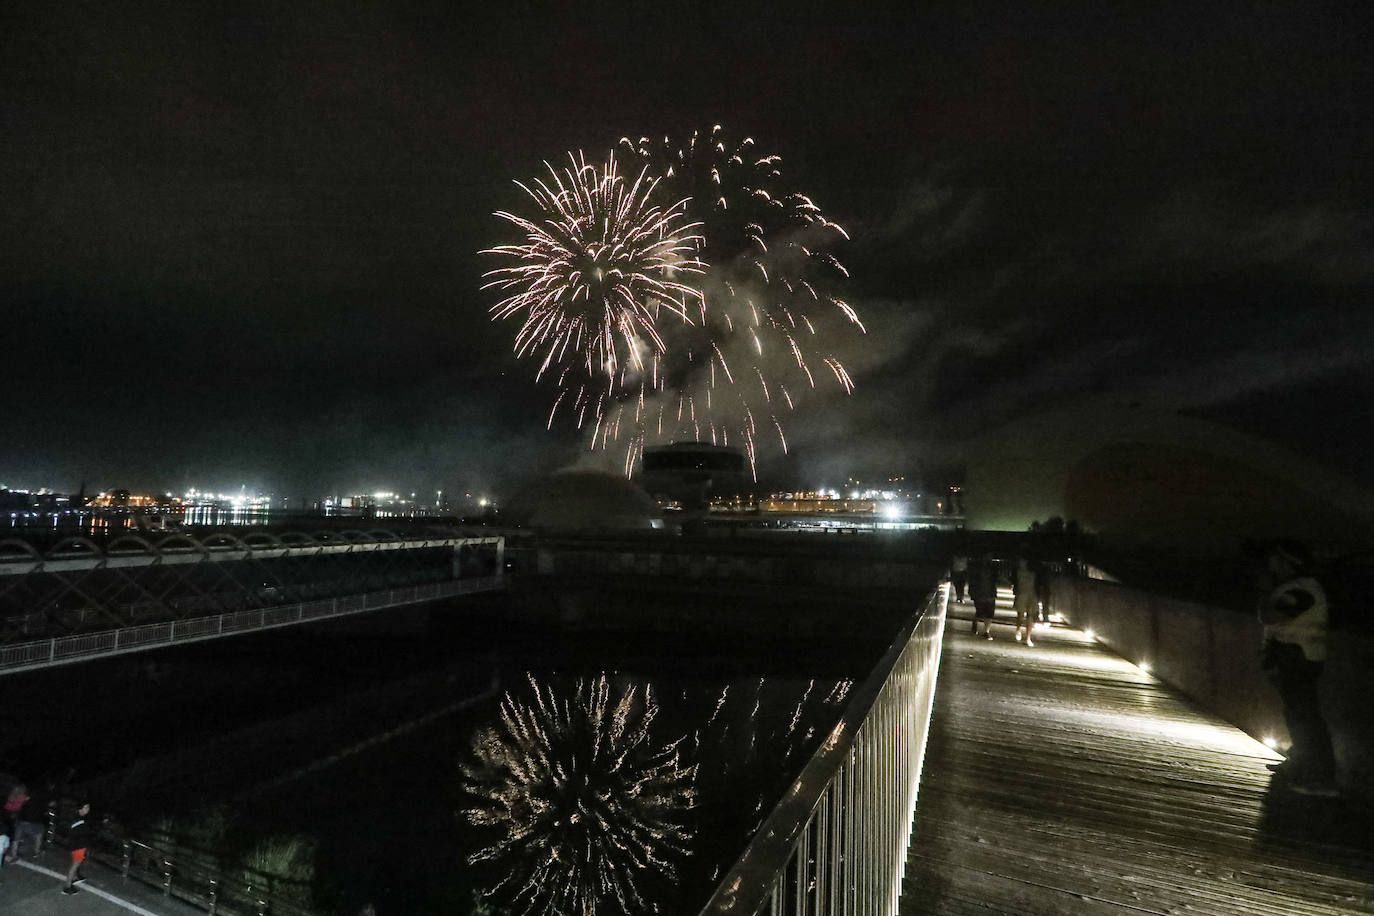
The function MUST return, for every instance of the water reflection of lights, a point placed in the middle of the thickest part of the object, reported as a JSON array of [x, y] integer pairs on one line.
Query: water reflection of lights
[[762, 726], [585, 803]]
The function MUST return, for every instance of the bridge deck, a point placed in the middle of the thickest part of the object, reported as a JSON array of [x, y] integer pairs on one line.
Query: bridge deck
[[1062, 779]]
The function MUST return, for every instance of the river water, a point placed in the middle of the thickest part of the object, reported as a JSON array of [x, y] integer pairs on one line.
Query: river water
[[443, 760]]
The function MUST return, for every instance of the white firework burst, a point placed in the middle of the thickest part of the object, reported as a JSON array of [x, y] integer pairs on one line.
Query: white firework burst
[[584, 802]]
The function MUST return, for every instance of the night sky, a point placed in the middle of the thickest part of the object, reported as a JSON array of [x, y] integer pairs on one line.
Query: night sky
[[240, 241]]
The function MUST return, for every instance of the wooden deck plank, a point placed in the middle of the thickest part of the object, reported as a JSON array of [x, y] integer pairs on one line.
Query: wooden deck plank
[[1062, 779]]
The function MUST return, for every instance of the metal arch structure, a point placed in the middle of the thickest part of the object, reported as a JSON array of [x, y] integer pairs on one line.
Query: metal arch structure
[[79, 598]]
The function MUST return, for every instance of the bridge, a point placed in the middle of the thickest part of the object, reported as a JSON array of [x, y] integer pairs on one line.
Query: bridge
[[1089, 774], [82, 597]]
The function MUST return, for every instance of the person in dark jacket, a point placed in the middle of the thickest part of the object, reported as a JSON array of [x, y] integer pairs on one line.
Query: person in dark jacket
[[79, 836], [982, 588], [958, 575], [1042, 589]]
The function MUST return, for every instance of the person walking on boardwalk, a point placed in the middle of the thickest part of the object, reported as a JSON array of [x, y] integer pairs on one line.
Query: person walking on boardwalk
[[982, 589], [1042, 589], [32, 824], [958, 575], [1023, 587], [1294, 613], [78, 838]]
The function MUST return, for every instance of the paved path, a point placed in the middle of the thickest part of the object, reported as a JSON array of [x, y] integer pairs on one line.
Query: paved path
[[34, 888], [1062, 779]]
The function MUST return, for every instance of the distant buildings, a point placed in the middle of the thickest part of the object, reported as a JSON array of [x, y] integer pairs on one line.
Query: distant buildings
[[689, 475]]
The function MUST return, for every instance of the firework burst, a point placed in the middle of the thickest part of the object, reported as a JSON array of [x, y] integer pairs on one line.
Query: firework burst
[[705, 319], [597, 271], [586, 804]]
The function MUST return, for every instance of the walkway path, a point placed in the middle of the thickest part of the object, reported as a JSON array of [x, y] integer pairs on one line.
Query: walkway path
[[34, 888], [1063, 779]]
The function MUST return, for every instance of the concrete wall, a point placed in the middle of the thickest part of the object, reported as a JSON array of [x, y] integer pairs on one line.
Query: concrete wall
[[1212, 655]]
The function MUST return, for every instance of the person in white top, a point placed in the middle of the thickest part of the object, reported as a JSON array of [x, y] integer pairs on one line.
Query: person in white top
[[1295, 617]]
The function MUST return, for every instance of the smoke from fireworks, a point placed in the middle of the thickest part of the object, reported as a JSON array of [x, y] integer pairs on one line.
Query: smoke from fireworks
[[585, 803], [724, 325]]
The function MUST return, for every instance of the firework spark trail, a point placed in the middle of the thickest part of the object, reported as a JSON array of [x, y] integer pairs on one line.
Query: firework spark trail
[[766, 263], [584, 802]]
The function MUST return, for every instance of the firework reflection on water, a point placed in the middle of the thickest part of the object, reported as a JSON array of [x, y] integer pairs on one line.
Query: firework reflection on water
[[584, 801], [760, 731], [594, 799]]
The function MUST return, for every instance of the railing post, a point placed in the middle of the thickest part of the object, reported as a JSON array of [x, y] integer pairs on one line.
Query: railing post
[[214, 896], [128, 859], [851, 839], [166, 877]]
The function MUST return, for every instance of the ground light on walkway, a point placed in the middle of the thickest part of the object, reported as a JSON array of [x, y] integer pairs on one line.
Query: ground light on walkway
[[1156, 716], [1066, 779]]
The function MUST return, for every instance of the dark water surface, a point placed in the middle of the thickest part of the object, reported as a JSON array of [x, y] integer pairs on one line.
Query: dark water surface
[[429, 755]]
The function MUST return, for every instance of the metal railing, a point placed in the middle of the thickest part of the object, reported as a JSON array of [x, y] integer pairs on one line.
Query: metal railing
[[219, 892], [60, 650], [837, 842], [238, 891]]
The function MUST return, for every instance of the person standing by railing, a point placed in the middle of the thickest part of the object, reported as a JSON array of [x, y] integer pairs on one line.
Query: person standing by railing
[[1293, 610], [6, 841], [31, 823], [9, 820], [78, 838]]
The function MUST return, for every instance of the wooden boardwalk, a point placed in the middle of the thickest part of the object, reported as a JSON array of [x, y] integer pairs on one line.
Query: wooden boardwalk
[[1062, 779]]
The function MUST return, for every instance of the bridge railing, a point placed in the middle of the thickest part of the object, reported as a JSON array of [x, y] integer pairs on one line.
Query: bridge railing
[[45, 652], [217, 891], [837, 842], [82, 584]]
